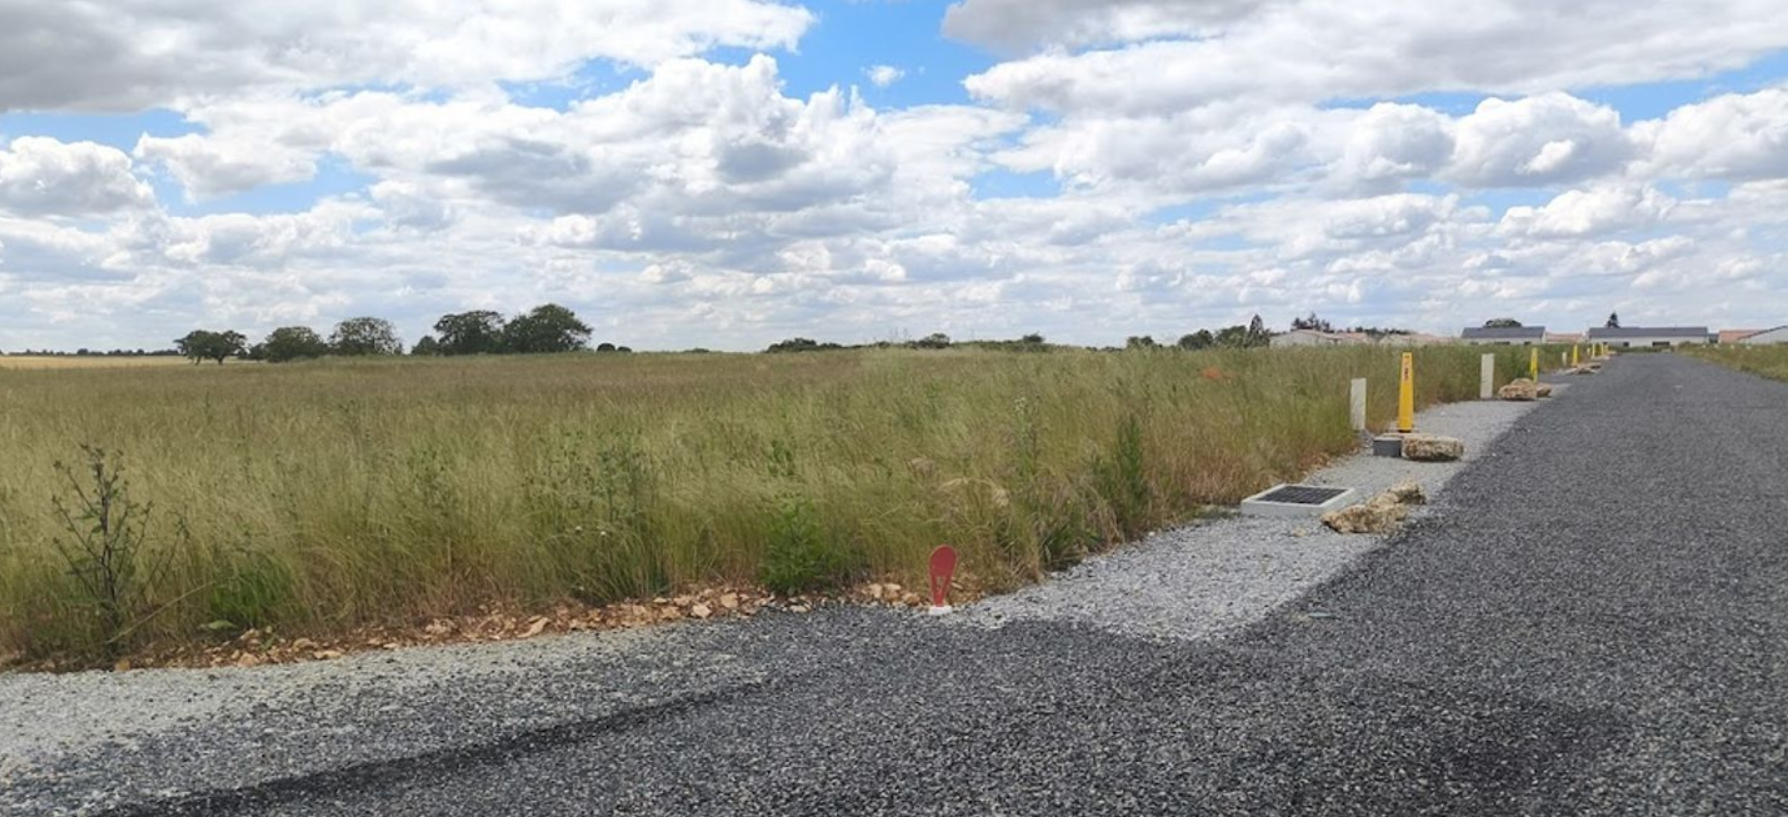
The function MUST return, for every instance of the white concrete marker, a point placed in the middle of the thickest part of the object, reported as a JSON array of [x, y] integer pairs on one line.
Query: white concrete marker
[[1358, 403], [1487, 377]]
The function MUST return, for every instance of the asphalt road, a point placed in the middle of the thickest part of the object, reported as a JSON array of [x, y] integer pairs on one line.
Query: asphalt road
[[1594, 622]]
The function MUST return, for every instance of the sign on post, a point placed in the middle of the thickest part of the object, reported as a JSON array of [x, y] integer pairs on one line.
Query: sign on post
[[1406, 400], [943, 569]]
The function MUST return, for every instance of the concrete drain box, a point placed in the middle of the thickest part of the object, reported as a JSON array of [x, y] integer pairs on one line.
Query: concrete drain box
[[1296, 500]]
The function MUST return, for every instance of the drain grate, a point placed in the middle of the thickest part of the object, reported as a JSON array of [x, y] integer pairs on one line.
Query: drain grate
[[1295, 500], [1302, 495]]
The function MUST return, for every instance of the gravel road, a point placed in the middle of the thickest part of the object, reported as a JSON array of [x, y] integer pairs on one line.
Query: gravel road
[[1594, 620]]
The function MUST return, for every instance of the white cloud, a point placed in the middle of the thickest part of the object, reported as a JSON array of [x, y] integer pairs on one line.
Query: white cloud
[[882, 76], [1017, 24], [1734, 137], [1537, 141], [131, 54], [1593, 212], [46, 177]]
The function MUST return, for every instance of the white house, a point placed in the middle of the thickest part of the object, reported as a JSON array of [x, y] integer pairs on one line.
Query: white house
[[1504, 335], [1627, 337], [1766, 337]]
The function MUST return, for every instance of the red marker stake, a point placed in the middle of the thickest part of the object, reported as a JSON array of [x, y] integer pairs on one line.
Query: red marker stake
[[943, 567]]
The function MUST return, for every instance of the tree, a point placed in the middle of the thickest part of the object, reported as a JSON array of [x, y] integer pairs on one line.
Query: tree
[[1033, 338], [1613, 320], [1502, 323], [935, 340], [605, 346], [548, 328], [1257, 332], [291, 343], [201, 345], [426, 347], [479, 332], [357, 337], [1201, 339], [1312, 323], [1139, 342]]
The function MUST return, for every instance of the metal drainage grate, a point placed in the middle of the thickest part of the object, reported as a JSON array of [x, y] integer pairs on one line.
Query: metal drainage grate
[[1302, 494], [1295, 500]]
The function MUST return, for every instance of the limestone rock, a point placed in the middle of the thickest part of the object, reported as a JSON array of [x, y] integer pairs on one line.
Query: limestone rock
[[1519, 389], [1543, 390], [1407, 493], [1432, 448], [1377, 515]]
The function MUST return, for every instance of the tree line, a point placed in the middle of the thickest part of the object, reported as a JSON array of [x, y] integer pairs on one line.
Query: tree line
[[544, 329]]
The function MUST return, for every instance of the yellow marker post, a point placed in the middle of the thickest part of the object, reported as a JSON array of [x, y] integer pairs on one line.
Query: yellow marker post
[[1533, 366], [1573, 355], [1406, 396]]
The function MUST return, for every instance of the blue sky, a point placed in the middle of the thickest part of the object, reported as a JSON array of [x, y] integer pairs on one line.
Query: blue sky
[[725, 173]]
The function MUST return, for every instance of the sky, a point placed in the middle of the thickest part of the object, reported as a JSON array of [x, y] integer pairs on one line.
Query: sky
[[730, 173]]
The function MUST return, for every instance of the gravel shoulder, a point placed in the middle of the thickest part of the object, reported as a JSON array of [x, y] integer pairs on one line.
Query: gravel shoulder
[[1222, 574]]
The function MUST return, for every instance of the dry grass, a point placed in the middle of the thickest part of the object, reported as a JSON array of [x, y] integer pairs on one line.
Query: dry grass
[[87, 362], [1767, 361], [318, 497]]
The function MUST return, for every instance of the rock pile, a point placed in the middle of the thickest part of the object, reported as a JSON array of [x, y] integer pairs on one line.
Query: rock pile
[[1380, 514]]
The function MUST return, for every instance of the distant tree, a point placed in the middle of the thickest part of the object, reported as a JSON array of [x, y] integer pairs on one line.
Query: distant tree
[[200, 345], [1613, 320], [1257, 332], [1201, 339], [605, 346], [547, 328], [626, 350], [1502, 323], [1032, 338], [935, 340], [291, 343], [426, 347], [1311, 323], [1139, 342], [478, 332], [1240, 337], [357, 337], [801, 345]]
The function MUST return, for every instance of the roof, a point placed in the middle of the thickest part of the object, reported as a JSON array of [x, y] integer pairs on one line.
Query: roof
[[1504, 333], [1732, 335], [1618, 332]]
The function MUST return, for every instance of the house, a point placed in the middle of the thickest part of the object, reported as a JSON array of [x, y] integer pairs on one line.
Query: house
[[1564, 337], [1766, 337], [1504, 335], [1312, 337], [1627, 337], [1731, 336]]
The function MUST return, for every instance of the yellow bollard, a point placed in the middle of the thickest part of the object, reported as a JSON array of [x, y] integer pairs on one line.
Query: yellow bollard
[[1406, 396], [1573, 355], [1533, 366]]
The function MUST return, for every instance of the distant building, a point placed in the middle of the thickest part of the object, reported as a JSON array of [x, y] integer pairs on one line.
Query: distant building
[[1504, 335], [1766, 337], [1312, 337], [1416, 339], [1728, 336], [1564, 337], [1627, 337]]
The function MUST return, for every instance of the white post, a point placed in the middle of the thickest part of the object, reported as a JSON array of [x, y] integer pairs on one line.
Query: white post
[[1487, 377], [1358, 396]]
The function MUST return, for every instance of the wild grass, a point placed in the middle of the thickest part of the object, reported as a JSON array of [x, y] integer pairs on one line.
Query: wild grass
[[88, 361], [1765, 361], [321, 496]]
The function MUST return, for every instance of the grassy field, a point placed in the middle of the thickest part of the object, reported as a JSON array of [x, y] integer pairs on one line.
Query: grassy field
[[87, 361], [321, 496], [1768, 361]]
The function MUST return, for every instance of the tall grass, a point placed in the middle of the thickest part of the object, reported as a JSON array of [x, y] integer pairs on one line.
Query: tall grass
[[321, 496], [1766, 361]]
